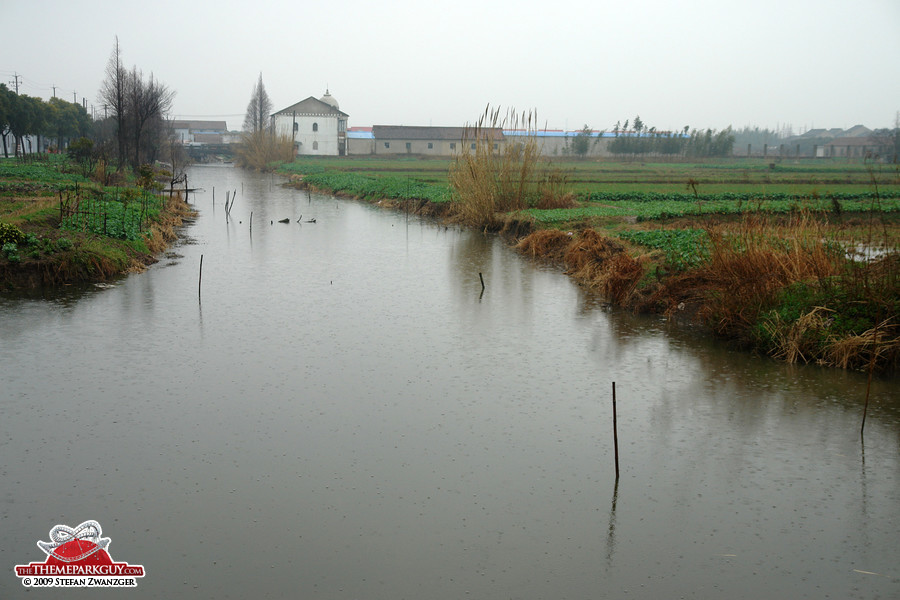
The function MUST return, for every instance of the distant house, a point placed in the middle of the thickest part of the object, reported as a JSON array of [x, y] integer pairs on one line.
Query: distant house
[[418, 140], [855, 147], [316, 126], [200, 132], [447, 141]]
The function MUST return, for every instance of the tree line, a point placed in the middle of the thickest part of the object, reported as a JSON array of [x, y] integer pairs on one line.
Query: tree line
[[22, 116], [643, 139], [132, 132]]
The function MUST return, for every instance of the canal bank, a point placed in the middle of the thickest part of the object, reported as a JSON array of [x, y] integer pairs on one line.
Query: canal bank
[[777, 285], [57, 229]]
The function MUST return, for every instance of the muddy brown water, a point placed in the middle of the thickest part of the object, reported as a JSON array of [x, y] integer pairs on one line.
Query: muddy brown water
[[345, 415]]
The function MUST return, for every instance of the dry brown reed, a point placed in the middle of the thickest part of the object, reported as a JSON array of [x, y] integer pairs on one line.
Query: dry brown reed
[[553, 190], [260, 149], [163, 228], [879, 345], [546, 244], [494, 175], [753, 260], [798, 341], [602, 264]]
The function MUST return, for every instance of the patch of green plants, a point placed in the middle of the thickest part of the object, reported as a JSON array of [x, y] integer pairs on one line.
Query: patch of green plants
[[652, 210], [683, 248], [116, 213], [50, 171], [11, 251], [848, 313], [10, 234], [374, 188], [300, 168]]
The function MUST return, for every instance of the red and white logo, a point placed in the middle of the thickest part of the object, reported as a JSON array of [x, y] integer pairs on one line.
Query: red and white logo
[[78, 557]]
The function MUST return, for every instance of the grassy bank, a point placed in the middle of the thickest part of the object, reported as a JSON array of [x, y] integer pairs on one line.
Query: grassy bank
[[795, 259], [59, 227]]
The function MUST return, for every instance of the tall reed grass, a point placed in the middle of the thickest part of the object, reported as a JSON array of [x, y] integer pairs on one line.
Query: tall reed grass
[[262, 150], [492, 175], [792, 289]]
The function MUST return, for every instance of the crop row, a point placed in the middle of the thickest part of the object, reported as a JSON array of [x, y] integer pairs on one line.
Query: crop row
[[646, 211], [44, 172], [638, 196], [111, 217], [364, 186]]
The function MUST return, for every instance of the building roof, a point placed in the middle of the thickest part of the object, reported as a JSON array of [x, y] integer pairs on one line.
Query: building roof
[[856, 141], [408, 132], [200, 125], [858, 131], [311, 106], [330, 100]]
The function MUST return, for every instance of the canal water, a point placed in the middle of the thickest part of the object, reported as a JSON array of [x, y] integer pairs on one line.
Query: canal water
[[338, 410]]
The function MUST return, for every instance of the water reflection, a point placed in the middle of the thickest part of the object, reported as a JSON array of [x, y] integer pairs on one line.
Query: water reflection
[[611, 527], [345, 415]]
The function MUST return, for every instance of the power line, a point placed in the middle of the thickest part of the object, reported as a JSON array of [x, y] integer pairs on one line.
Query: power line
[[231, 115]]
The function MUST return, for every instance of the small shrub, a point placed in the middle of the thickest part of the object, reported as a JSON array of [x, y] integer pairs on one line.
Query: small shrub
[[11, 251], [64, 244], [10, 234]]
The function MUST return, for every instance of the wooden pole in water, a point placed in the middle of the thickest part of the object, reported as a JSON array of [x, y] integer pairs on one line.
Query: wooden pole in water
[[251, 221], [481, 277], [615, 431], [200, 279]]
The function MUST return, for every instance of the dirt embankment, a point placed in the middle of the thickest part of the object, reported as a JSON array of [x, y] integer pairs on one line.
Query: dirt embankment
[[71, 257]]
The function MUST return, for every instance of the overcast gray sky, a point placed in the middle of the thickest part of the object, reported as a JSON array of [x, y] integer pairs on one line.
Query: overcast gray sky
[[703, 63]]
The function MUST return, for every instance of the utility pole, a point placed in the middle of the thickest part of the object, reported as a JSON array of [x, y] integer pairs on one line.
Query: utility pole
[[15, 82], [74, 97], [54, 91]]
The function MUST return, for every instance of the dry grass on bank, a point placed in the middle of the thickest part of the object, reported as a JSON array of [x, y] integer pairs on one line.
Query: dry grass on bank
[[753, 260], [546, 245], [492, 175], [595, 261], [171, 217], [785, 287], [260, 149]]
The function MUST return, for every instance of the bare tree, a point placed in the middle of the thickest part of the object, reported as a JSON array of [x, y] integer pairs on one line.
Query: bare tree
[[147, 104], [138, 108], [259, 109], [113, 95]]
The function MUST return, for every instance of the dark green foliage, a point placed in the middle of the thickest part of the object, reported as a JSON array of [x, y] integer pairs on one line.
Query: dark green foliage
[[582, 142], [10, 234], [849, 313], [11, 252], [81, 151]]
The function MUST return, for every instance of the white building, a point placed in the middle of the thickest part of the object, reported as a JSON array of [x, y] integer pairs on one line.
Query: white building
[[317, 127]]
